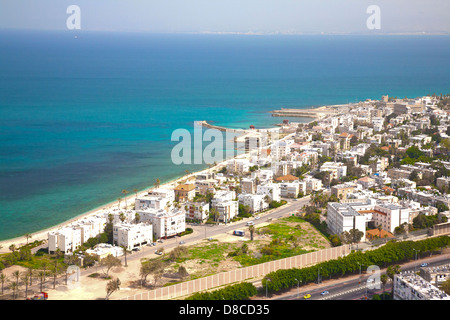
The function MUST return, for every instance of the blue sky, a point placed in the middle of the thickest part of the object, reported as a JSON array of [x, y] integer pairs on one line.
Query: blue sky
[[262, 16]]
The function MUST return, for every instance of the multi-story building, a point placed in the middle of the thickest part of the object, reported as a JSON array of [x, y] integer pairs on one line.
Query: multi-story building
[[198, 211], [255, 202], [341, 190], [226, 205], [66, 239], [289, 189], [272, 190], [184, 192], [410, 286], [248, 185], [336, 169], [132, 235]]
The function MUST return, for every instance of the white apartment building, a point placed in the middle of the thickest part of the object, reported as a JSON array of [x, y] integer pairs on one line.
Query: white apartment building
[[205, 185], [270, 189], [289, 189], [263, 175], [132, 235], [102, 250], [255, 202], [343, 216], [152, 202], [225, 205], [66, 239], [410, 286], [165, 224], [311, 184], [198, 211], [168, 194], [337, 169]]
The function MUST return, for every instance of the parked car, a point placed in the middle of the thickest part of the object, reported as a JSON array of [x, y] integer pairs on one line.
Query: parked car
[[182, 242], [424, 264], [158, 252], [324, 292]]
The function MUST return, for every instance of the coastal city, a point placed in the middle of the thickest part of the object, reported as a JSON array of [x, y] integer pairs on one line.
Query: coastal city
[[353, 204]]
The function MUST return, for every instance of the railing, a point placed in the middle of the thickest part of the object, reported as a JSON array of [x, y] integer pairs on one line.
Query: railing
[[257, 271]]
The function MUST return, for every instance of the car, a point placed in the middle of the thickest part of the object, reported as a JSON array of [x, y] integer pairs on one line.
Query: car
[[324, 292], [182, 242], [258, 217], [160, 241], [370, 280], [424, 264], [307, 296], [158, 252], [136, 249], [210, 239]]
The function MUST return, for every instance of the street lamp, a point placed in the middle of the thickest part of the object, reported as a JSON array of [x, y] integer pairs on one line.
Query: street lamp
[[298, 288], [318, 275], [415, 263], [359, 282], [268, 279]]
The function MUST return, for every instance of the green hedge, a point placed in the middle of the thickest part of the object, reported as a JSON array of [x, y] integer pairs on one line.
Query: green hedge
[[240, 291], [391, 253]]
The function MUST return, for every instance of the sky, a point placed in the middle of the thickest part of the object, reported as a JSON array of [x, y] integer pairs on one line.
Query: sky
[[240, 16]]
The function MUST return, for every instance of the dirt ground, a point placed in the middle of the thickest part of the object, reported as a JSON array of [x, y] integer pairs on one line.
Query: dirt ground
[[89, 288]]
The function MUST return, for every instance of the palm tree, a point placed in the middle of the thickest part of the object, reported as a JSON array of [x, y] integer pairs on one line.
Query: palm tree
[[384, 279], [12, 248], [16, 274], [25, 278], [3, 278], [13, 285], [135, 192], [391, 271], [119, 199], [125, 254], [125, 192], [157, 183], [28, 236]]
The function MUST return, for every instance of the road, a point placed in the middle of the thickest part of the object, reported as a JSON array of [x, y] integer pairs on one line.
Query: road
[[202, 232], [354, 287]]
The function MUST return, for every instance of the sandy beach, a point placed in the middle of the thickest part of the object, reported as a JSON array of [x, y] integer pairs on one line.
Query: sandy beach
[[43, 234]]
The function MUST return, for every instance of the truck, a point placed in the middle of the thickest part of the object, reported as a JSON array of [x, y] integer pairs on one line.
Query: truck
[[238, 233], [40, 296]]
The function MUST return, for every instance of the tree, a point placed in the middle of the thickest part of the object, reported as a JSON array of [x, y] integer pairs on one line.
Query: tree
[[14, 285], [125, 192], [12, 248], [352, 236], [111, 287], [151, 267], [109, 229], [119, 199], [135, 192], [25, 277], [157, 183], [3, 278], [391, 271], [109, 262], [182, 272], [251, 229], [384, 279], [445, 286], [28, 236]]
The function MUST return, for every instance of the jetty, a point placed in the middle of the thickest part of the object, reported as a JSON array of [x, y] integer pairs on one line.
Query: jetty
[[316, 113]]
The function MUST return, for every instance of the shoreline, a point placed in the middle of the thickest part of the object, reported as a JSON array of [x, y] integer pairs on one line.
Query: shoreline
[[43, 234]]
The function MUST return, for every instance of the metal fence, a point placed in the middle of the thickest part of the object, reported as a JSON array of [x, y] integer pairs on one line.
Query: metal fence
[[241, 274]]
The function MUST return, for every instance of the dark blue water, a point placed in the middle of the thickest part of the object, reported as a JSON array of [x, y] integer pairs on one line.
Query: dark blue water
[[83, 118]]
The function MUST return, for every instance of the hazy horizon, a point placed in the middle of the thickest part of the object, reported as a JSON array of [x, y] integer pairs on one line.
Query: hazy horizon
[[232, 16]]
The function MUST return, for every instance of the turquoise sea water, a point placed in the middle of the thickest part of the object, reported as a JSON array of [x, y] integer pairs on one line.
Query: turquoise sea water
[[83, 118]]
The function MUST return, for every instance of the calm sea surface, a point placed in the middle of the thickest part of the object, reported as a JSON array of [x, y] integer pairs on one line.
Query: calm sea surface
[[83, 118]]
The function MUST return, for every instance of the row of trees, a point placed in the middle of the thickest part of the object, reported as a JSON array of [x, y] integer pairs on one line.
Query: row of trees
[[240, 291], [390, 254]]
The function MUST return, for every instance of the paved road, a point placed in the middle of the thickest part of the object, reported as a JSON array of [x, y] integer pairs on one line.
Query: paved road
[[354, 287], [202, 232]]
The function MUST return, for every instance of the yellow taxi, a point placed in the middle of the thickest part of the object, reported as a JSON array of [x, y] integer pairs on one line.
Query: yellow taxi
[[307, 296]]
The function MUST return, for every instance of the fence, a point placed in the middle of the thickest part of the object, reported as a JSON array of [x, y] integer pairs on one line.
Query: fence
[[241, 274]]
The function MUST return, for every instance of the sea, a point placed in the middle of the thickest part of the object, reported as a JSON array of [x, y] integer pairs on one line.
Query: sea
[[85, 115]]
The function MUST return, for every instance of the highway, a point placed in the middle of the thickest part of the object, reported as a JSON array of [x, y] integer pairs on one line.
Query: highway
[[354, 287]]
